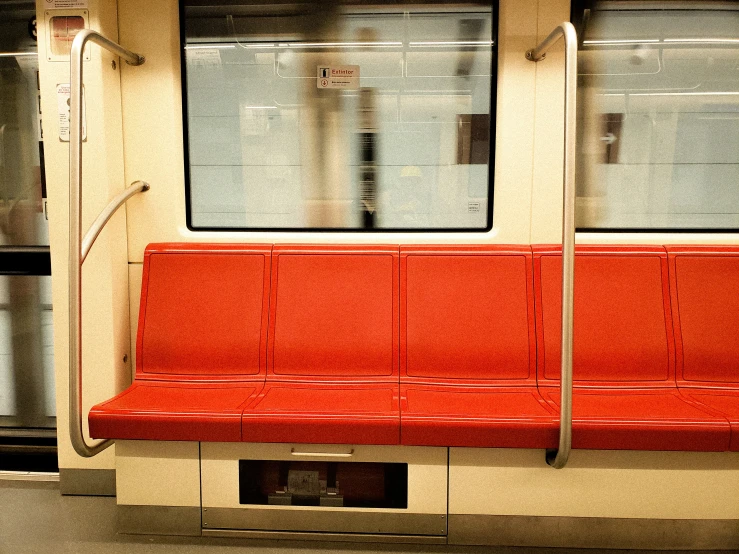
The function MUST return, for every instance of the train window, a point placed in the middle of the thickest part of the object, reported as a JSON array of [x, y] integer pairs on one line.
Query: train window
[[344, 115], [27, 397], [659, 116], [27, 400]]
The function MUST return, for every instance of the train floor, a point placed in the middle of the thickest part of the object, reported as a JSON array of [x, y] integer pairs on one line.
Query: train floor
[[35, 518]]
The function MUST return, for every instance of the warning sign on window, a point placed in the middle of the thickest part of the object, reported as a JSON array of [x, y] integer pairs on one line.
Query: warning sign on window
[[338, 76]]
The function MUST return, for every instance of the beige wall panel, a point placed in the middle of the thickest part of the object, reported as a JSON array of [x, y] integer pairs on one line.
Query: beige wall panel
[[613, 484], [152, 107], [514, 143], [151, 473], [427, 471], [152, 122], [546, 206], [105, 335]]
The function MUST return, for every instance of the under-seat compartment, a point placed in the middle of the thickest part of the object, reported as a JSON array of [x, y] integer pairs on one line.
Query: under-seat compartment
[[335, 484], [324, 488]]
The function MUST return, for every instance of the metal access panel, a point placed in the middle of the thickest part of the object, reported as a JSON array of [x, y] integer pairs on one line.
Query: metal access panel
[[386, 490]]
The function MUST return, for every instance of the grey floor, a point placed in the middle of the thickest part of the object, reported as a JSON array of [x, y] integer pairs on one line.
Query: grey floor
[[35, 518]]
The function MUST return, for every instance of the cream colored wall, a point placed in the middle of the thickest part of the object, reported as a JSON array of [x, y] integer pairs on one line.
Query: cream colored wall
[[615, 484], [529, 139], [151, 473], [153, 137], [152, 123], [105, 335], [548, 107], [514, 121]]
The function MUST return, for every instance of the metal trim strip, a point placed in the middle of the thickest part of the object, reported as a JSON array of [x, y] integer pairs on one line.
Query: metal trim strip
[[594, 532], [341, 521]]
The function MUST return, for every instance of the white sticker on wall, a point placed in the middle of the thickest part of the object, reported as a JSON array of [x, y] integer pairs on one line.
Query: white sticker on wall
[[63, 98], [65, 4], [203, 56], [338, 76]]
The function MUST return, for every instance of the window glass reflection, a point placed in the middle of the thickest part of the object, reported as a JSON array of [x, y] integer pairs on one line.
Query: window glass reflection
[[22, 182], [335, 115], [26, 352], [659, 118]]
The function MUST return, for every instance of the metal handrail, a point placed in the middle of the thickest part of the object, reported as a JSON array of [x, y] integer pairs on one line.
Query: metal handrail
[[99, 223], [77, 253], [558, 458]]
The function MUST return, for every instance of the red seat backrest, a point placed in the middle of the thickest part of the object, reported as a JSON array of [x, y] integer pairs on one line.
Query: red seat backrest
[[622, 325], [704, 283], [334, 314], [467, 315], [204, 312]]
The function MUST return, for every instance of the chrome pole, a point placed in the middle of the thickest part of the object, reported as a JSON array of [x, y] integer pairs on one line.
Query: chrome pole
[[558, 458], [76, 256]]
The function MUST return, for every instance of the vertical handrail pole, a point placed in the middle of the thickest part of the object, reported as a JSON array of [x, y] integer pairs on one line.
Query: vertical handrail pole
[[75, 233], [558, 458]]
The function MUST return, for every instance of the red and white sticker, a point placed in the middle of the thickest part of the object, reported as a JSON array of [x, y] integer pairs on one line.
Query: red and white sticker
[[338, 76]]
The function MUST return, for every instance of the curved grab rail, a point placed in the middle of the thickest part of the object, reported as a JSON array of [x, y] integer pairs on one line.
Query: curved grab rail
[[110, 210], [558, 458], [76, 252]]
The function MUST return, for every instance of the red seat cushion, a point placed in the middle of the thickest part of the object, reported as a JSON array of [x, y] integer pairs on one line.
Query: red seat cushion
[[468, 349], [202, 345], [333, 373], [704, 290], [625, 395], [723, 402], [513, 417], [171, 411], [467, 315], [648, 419], [622, 329], [334, 314], [204, 312], [706, 315], [324, 414]]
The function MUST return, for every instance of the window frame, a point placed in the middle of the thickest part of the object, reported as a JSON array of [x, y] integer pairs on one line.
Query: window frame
[[494, 79]]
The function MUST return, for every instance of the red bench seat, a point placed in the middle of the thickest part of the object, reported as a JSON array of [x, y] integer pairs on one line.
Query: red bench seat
[[501, 417], [432, 346], [642, 419], [704, 283], [332, 374], [189, 411], [201, 345], [468, 373], [324, 414], [624, 394]]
